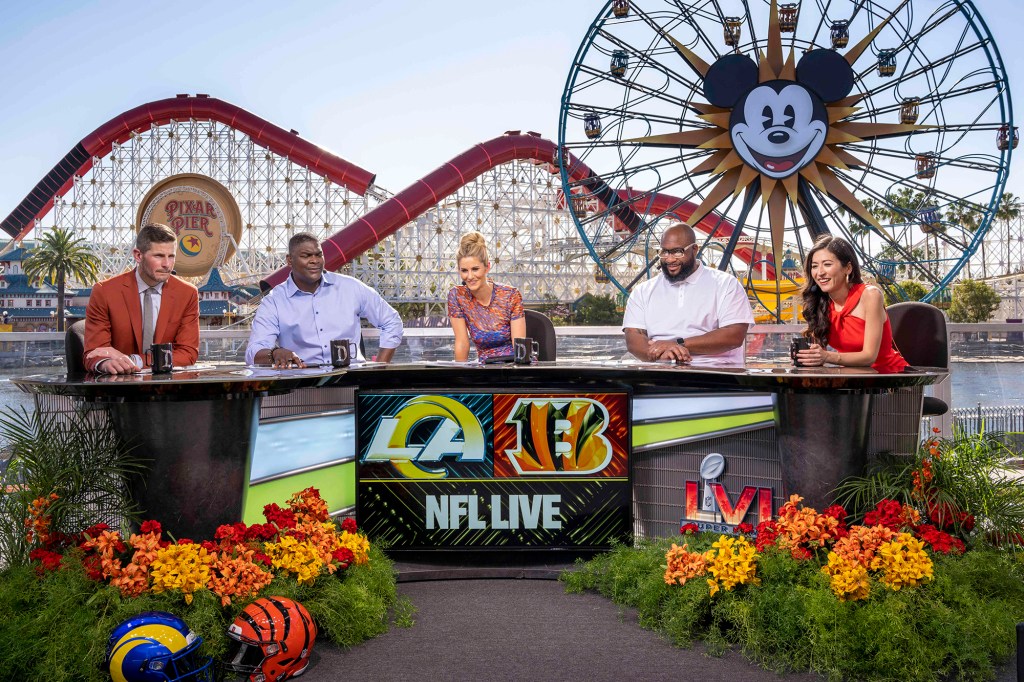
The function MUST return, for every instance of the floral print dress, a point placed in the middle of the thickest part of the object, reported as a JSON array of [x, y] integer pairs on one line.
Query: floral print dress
[[490, 326]]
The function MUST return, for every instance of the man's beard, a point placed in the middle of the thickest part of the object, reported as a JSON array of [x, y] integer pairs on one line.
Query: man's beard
[[684, 271]]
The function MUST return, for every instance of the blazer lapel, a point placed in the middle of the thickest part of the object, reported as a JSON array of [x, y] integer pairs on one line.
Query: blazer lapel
[[130, 291]]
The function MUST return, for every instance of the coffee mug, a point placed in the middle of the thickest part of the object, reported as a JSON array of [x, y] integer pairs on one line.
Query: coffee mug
[[524, 349], [797, 344], [161, 357], [342, 352]]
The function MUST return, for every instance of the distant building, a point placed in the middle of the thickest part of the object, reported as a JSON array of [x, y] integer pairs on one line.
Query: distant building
[[33, 309]]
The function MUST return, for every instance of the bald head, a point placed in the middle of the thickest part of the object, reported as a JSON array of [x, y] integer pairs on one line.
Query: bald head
[[680, 233]]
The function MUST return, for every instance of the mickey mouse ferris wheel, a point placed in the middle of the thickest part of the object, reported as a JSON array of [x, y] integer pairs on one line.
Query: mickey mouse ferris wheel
[[763, 125]]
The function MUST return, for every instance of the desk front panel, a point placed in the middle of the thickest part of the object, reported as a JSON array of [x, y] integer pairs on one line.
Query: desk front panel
[[493, 470]]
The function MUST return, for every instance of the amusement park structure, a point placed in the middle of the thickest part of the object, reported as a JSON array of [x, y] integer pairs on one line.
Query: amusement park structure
[[887, 123]]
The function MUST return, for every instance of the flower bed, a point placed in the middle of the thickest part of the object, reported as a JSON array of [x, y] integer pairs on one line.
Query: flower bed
[[928, 586], [63, 605]]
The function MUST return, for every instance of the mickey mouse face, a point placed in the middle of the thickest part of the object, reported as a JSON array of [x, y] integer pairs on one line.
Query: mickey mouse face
[[778, 128]]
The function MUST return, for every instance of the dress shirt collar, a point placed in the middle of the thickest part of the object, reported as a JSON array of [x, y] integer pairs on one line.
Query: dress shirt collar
[[326, 279], [159, 287]]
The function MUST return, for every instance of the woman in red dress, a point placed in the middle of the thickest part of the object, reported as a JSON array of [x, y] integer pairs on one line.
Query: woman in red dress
[[844, 313], [490, 314]]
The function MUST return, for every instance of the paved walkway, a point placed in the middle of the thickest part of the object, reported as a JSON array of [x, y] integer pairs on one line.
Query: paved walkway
[[503, 629]]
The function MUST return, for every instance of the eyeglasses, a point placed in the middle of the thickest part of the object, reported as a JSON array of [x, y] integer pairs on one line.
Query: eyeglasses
[[665, 254]]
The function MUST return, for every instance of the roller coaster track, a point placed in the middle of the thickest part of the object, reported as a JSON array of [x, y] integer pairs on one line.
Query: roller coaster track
[[355, 238], [99, 143]]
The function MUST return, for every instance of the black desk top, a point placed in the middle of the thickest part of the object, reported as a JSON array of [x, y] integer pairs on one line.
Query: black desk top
[[207, 382]]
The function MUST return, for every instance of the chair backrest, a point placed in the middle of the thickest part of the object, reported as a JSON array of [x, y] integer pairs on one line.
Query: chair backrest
[[919, 331], [74, 348], [540, 329]]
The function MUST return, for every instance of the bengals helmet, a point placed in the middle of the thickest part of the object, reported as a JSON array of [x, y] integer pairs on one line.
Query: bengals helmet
[[272, 639], [156, 646]]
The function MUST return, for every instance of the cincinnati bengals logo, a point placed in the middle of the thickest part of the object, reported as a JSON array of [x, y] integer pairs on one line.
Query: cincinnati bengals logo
[[454, 432], [559, 436]]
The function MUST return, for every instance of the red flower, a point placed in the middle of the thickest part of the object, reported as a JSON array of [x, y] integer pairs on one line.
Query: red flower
[[262, 558], [767, 534], [343, 556], [185, 541], [94, 531], [261, 531], [943, 543], [151, 527], [688, 529], [836, 512], [349, 525], [888, 513], [283, 518], [209, 546], [93, 566], [48, 561], [744, 528]]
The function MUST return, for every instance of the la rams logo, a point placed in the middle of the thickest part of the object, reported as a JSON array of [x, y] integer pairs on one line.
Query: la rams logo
[[559, 436], [454, 432], [190, 245]]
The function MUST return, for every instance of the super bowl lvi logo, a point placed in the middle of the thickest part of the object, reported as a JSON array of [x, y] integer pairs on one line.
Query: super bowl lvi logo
[[559, 436]]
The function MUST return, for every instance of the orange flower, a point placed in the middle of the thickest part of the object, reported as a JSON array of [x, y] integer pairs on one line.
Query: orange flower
[[237, 576]]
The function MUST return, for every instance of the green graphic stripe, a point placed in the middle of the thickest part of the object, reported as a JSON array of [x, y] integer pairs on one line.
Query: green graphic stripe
[[337, 485], [649, 434]]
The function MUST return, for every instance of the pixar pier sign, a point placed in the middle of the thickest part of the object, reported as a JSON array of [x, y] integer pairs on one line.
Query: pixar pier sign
[[493, 470]]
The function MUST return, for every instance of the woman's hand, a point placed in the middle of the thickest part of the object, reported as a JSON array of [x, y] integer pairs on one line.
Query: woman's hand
[[815, 356]]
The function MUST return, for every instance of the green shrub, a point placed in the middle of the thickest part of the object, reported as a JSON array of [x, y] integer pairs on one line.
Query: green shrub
[[959, 625]]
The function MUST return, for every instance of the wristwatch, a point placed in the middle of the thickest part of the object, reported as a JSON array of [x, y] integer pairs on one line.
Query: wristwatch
[[681, 341]]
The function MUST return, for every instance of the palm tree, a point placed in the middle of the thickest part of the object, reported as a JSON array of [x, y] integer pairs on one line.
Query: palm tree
[[1009, 209], [967, 216], [57, 256]]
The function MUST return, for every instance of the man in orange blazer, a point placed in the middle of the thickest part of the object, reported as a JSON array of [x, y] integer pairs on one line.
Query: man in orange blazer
[[114, 316]]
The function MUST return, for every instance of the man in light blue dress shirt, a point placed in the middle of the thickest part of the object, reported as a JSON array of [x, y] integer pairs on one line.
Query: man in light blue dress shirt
[[297, 321]]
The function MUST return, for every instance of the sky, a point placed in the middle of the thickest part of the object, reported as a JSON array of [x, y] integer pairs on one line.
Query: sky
[[397, 87]]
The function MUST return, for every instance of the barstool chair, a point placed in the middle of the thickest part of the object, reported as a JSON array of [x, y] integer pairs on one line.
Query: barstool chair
[[540, 329], [919, 331]]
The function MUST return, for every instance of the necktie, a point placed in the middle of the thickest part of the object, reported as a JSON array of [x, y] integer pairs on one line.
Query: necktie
[[147, 319]]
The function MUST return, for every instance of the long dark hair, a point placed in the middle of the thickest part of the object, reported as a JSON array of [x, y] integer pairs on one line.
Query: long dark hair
[[816, 302]]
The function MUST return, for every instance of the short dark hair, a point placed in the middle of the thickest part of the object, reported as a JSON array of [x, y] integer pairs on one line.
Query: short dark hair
[[301, 238], [154, 233]]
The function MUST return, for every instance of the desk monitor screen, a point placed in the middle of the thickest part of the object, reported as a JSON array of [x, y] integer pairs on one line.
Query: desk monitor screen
[[493, 470]]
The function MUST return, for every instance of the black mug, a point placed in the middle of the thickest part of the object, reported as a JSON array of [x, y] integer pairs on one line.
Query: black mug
[[161, 357], [797, 344], [342, 352], [524, 349]]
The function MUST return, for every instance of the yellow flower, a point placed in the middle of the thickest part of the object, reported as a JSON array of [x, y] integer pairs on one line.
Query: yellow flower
[[295, 557], [181, 567], [904, 562], [359, 545], [731, 562], [849, 577]]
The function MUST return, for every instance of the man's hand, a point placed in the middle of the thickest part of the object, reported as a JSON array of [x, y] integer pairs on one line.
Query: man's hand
[[667, 350], [284, 358], [113, 361]]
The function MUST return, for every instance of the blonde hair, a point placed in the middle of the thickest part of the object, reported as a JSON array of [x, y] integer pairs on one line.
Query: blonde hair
[[473, 245]]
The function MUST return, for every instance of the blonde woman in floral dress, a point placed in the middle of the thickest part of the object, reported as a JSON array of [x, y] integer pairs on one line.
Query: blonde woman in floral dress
[[490, 314]]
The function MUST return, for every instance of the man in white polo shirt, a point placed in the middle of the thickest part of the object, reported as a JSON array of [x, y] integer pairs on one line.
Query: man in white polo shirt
[[688, 313]]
